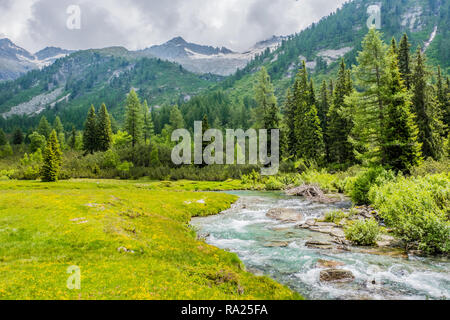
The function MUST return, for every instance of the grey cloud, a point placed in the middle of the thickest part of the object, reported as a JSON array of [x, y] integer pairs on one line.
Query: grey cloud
[[136, 24]]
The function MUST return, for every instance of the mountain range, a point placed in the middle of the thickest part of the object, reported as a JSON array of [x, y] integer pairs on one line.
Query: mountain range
[[67, 83], [16, 61]]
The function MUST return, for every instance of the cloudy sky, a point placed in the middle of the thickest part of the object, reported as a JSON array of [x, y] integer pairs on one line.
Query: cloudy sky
[[137, 24]]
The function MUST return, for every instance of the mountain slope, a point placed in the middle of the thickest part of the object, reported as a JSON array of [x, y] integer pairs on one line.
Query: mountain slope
[[207, 59], [16, 61], [70, 85], [340, 34]]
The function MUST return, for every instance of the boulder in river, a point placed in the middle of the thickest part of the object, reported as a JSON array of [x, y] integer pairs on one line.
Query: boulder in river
[[286, 215], [336, 275]]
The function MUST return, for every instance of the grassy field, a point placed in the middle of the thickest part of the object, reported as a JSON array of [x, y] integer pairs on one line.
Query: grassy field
[[131, 240]]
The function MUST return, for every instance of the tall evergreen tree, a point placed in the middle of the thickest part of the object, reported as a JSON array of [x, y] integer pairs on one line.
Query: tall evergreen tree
[[18, 137], [296, 105], [443, 99], [44, 127], [58, 126], [176, 119], [309, 132], [52, 159], [289, 120], [369, 105], [404, 60], [133, 121], [322, 110], [428, 117], [73, 138], [104, 132], [340, 125], [307, 128], [394, 47], [205, 127], [323, 105], [90, 137], [3, 139], [267, 114], [312, 94], [148, 122], [400, 135]]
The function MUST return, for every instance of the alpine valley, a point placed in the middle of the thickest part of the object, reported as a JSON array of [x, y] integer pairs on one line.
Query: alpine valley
[[61, 82]]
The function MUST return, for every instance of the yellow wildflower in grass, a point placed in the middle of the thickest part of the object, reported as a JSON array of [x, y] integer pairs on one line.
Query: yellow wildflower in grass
[[130, 240]]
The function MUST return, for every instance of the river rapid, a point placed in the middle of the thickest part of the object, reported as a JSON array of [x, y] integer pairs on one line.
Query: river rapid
[[247, 231]]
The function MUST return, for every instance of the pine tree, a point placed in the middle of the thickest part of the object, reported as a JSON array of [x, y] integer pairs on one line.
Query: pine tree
[[394, 48], [289, 120], [296, 107], [404, 61], [369, 105], [17, 137], [307, 128], [90, 141], [428, 117], [400, 135], [322, 110], [267, 113], [443, 99], [205, 127], [309, 132], [154, 157], [104, 132], [340, 123], [3, 139], [73, 138], [44, 127], [58, 126], [134, 122], [323, 106], [52, 159], [148, 122], [176, 119], [312, 94]]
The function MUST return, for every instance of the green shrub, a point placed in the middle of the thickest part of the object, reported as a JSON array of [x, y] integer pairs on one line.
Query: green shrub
[[335, 216], [110, 159], [274, 184], [363, 232], [326, 181], [431, 166], [365, 180], [417, 209]]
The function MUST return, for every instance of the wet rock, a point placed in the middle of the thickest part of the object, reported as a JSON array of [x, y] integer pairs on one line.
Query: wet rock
[[286, 215], [313, 193], [384, 251], [336, 275], [276, 244], [319, 245], [326, 264], [337, 233]]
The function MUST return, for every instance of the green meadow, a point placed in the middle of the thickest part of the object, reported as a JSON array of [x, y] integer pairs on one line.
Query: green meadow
[[130, 239]]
